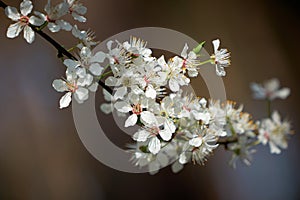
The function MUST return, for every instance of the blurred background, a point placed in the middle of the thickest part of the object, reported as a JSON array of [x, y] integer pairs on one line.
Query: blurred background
[[42, 157]]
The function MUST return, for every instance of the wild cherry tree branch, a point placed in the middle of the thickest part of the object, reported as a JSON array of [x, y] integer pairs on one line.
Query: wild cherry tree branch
[[2, 4], [61, 50]]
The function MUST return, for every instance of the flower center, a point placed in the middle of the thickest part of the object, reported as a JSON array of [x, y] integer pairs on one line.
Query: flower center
[[72, 87], [184, 65], [24, 20], [266, 135], [214, 59], [49, 19], [186, 108], [146, 79], [137, 109], [154, 130]]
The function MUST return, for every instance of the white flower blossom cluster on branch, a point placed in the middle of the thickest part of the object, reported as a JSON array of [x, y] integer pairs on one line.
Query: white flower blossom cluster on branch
[[175, 127]]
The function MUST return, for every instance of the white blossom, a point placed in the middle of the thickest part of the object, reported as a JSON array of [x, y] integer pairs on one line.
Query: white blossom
[[77, 84], [88, 61], [190, 62], [220, 58], [77, 10], [198, 148], [53, 17], [270, 90], [23, 21], [173, 71], [241, 150], [275, 133], [87, 38]]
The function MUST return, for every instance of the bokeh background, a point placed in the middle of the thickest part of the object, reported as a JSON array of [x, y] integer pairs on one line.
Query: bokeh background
[[42, 157]]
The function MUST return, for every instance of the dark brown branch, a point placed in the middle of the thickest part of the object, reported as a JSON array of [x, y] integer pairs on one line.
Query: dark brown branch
[[61, 50], [2, 4], [226, 141]]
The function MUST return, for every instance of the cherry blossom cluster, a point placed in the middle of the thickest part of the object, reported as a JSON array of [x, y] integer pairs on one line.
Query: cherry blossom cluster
[[174, 127]]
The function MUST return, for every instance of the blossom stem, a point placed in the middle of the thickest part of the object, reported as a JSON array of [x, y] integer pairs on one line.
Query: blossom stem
[[226, 141], [231, 127], [105, 74], [61, 50], [43, 25], [205, 62]]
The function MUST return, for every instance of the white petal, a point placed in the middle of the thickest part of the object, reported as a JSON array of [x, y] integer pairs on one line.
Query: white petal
[[65, 100], [166, 135], [80, 71], [78, 17], [80, 9], [123, 107], [81, 94], [26, 7], [109, 44], [220, 70], [272, 85], [184, 51], [141, 136], [107, 96], [40, 15], [71, 63], [64, 25], [276, 117], [120, 93], [60, 85], [169, 125], [258, 91], [148, 117], [14, 30], [12, 13], [174, 86], [136, 90], [106, 108], [154, 145], [184, 157], [76, 32], [53, 27], [94, 87], [196, 142], [193, 72], [131, 121], [203, 102], [98, 57], [205, 117], [192, 55], [111, 81], [36, 21], [274, 149], [96, 69], [150, 92], [86, 81], [283, 93], [176, 167], [216, 44], [161, 61], [29, 34]]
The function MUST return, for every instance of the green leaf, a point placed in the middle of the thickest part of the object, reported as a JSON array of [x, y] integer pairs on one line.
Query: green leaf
[[198, 48], [144, 149]]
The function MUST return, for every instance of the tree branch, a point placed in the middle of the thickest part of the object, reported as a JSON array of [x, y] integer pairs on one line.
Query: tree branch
[[2, 4], [61, 50]]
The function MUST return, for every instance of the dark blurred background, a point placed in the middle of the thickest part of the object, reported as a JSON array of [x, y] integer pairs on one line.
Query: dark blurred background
[[42, 157]]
